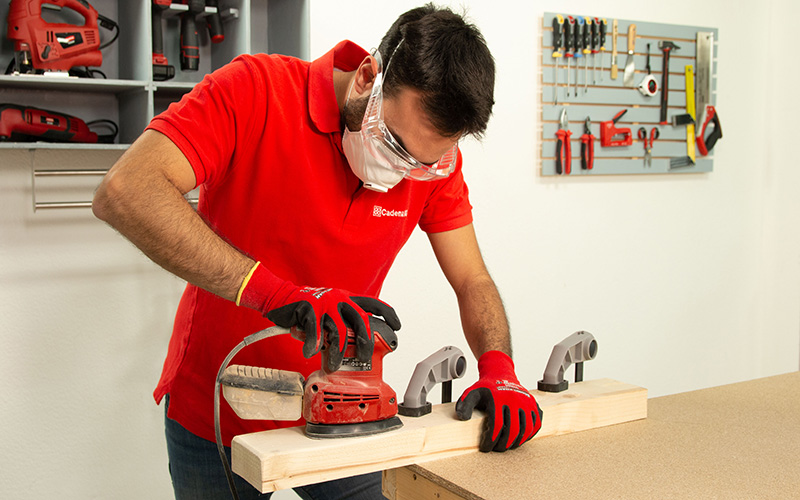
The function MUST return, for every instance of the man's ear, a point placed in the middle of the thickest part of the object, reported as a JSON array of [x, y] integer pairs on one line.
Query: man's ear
[[365, 75]]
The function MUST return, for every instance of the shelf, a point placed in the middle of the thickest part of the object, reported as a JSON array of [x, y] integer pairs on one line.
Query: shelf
[[62, 146], [71, 84], [173, 88], [130, 97]]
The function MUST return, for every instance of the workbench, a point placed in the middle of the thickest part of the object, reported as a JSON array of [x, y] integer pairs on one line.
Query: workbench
[[739, 441]]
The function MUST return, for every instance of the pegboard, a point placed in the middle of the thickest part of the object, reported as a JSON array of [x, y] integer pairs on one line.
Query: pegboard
[[600, 98]]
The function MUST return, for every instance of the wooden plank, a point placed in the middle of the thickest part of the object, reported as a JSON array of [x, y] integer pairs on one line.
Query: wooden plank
[[285, 458]]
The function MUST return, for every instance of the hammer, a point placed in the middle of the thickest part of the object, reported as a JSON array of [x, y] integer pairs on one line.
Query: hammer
[[666, 47]]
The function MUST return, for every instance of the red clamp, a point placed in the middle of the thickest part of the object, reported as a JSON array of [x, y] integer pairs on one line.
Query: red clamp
[[609, 133]]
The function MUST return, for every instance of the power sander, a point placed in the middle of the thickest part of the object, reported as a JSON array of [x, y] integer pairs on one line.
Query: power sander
[[352, 401], [43, 46], [26, 123]]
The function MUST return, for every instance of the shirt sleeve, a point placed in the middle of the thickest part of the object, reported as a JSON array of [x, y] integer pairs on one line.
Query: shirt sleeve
[[208, 122], [448, 205]]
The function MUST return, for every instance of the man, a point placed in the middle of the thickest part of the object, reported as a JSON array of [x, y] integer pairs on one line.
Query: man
[[312, 177]]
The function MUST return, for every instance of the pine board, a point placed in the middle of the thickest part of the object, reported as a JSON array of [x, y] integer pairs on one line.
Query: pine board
[[285, 458]]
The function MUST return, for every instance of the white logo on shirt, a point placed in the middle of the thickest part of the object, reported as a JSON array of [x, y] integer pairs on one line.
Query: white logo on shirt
[[378, 211]]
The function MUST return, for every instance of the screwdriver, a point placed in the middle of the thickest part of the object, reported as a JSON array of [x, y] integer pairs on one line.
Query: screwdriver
[[558, 33], [587, 49], [569, 46], [603, 28], [595, 47], [578, 50]]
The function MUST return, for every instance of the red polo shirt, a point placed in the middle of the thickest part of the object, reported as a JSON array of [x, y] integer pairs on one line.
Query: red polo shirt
[[263, 135]]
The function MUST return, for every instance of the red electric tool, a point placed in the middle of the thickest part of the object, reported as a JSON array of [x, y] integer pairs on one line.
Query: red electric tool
[[352, 401], [162, 70], [40, 45], [214, 23], [190, 42], [26, 123], [611, 136]]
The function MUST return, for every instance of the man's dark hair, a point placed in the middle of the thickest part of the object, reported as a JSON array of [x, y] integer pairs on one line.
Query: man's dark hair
[[446, 59]]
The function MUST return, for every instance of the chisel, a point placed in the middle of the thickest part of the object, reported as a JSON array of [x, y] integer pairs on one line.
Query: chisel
[[614, 33], [630, 66]]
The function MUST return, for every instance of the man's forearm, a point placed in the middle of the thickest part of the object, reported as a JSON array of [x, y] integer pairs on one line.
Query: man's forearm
[[483, 317], [146, 207]]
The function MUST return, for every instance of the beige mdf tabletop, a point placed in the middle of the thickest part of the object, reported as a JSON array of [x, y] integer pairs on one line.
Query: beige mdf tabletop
[[738, 441]]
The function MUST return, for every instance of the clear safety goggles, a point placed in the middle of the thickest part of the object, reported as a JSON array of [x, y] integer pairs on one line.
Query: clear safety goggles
[[383, 146]]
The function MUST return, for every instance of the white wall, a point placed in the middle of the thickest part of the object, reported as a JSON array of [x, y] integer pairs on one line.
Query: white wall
[[686, 281]]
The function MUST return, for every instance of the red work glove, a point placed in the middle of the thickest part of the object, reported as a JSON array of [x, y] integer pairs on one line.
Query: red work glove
[[315, 310], [514, 415]]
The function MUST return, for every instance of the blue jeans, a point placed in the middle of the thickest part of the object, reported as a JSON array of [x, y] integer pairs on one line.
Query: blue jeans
[[197, 473]]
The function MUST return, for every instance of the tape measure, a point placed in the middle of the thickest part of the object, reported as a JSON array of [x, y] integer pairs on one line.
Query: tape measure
[[649, 86]]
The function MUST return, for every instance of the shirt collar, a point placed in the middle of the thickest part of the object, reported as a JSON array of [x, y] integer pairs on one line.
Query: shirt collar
[[346, 56]]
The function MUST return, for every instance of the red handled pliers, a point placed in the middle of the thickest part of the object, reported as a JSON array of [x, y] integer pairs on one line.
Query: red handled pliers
[[587, 145], [563, 148]]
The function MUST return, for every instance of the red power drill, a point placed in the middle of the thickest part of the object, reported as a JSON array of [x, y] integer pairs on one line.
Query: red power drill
[[162, 70], [190, 42], [214, 23], [26, 123], [40, 45]]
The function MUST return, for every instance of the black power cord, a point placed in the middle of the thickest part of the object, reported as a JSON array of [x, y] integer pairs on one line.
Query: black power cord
[[106, 138], [109, 25], [250, 339]]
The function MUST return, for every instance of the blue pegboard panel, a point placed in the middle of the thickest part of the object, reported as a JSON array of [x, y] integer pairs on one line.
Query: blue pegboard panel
[[600, 98]]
